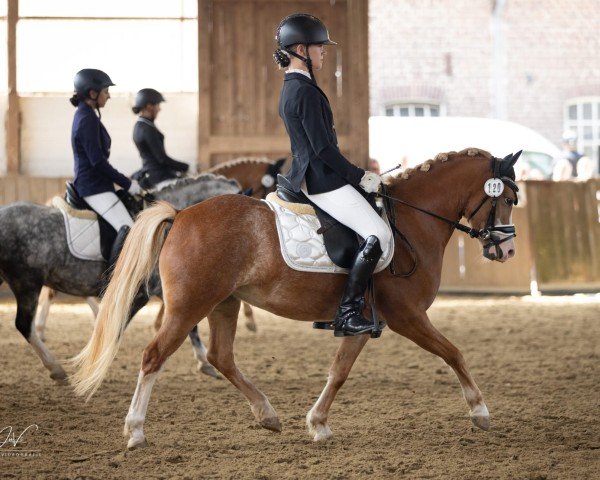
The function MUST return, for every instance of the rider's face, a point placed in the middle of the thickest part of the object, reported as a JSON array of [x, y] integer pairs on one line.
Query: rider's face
[[102, 97], [316, 53]]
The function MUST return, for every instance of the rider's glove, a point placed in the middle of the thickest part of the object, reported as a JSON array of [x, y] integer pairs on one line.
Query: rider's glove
[[135, 188], [370, 182]]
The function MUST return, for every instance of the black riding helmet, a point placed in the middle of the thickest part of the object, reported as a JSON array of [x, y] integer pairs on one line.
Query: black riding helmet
[[301, 28], [147, 96], [90, 79]]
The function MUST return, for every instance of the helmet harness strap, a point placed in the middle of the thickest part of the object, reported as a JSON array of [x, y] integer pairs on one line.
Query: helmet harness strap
[[307, 60]]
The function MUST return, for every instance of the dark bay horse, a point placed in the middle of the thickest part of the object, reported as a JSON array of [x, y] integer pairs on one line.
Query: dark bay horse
[[34, 253], [257, 175], [209, 271]]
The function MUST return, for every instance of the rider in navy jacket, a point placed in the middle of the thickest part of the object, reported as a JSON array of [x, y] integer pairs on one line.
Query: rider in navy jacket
[[319, 169], [94, 175], [91, 149]]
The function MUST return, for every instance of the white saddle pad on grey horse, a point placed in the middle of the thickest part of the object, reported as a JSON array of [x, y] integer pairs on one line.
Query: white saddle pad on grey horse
[[83, 231], [302, 247]]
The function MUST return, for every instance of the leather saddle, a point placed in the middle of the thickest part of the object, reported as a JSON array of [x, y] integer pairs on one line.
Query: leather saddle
[[341, 242], [107, 232]]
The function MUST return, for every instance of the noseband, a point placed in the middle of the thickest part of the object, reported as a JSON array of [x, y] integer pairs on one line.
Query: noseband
[[493, 188]]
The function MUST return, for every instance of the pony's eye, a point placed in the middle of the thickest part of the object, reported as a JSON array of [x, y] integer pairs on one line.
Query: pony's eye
[[509, 201]]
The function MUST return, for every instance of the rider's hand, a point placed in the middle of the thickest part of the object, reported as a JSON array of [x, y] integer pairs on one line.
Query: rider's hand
[[135, 188], [370, 182]]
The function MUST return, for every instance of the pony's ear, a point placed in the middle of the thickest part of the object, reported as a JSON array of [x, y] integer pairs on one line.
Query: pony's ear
[[515, 158], [507, 164]]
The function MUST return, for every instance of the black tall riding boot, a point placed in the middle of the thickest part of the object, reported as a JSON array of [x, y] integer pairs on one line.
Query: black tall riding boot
[[115, 250], [349, 319]]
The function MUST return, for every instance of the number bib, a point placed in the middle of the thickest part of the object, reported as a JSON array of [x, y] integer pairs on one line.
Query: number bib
[[494, 187]]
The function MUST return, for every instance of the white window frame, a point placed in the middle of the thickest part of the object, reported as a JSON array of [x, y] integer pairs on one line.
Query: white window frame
[[412, 105], [578, 125]]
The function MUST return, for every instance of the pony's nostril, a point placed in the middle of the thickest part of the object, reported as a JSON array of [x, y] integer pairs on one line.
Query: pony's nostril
[[511, 253]]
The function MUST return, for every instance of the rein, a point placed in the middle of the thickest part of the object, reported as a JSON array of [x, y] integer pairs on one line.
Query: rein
[[486, 233]]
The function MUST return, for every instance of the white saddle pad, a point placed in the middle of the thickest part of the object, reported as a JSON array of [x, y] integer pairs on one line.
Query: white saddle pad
[[83, 231], [302, 247]]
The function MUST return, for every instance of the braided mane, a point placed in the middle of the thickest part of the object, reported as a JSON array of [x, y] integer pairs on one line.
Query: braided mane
[[439, 158]]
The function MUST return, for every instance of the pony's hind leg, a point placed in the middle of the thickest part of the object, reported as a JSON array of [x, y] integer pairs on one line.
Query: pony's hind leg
[[419, 329], [316, 420], [198, 347], [223, 323], [249, 314], [200, 353], [27, 296], [168, 339]]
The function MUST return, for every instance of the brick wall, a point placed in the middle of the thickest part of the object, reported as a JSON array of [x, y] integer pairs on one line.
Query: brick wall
[[442, 50]]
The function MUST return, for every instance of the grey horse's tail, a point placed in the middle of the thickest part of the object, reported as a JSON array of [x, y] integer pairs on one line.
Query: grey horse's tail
[[134, 267]]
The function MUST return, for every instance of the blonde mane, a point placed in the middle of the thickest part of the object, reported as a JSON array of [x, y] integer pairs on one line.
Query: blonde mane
[[239, 161], [440, 157]]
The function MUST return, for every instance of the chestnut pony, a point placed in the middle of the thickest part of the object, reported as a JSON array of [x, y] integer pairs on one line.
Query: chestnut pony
[[207, 272]]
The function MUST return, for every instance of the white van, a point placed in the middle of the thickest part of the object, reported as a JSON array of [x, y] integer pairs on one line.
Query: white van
[[412, 140]]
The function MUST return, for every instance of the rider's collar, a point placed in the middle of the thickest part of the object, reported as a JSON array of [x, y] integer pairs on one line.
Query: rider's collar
[[297, 70]]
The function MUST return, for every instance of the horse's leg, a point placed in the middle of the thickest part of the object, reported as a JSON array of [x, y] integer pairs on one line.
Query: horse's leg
[[159, 318], [168, 339], [200, 351], [419, 329], [44, 301], [347, 353], [249, 314], [198, 347], [27, 297], [223, 323], [93, 303], [134, 421]]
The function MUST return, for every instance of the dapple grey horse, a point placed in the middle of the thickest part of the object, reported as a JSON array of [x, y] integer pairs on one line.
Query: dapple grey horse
[[34, 253]]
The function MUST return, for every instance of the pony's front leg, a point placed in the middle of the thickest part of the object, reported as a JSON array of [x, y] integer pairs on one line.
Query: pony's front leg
[[44, 301], [316, 419], [419, 329]]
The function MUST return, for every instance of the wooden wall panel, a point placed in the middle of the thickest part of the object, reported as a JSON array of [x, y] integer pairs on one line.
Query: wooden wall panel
[[240, 83], [15, 188]]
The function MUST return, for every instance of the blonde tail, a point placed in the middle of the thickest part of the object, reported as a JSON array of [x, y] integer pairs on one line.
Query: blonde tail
[[134, 267]]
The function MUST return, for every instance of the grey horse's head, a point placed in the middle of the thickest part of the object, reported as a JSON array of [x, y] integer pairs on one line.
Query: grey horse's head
[[191, 190]]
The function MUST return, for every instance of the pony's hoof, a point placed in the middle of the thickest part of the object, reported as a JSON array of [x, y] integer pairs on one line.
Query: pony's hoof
[[134, 443], [482, 422], [251, 326], [60, 377], [208, 369], [322, 434], [271, 423]]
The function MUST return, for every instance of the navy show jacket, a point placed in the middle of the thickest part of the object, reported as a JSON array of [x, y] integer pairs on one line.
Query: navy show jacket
[[91, 148], [316, 157]]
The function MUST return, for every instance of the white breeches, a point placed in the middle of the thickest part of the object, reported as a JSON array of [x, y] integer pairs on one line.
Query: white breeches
[[349, 207], [109, 207]]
